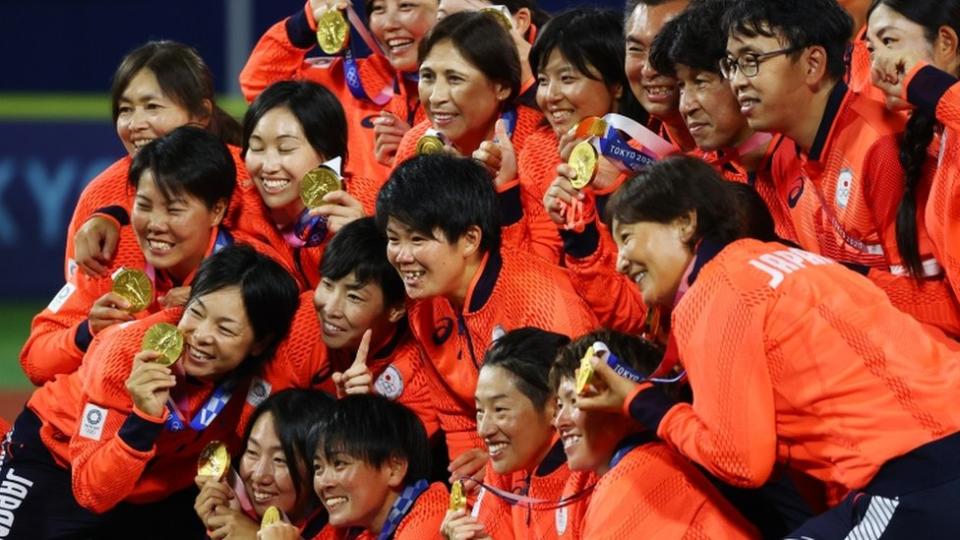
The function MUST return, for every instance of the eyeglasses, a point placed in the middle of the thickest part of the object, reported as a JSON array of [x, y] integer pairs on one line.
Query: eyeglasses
[[749, 63]]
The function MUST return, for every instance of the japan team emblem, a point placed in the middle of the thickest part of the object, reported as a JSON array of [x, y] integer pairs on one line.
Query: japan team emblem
[[844, 186], [390, 383]]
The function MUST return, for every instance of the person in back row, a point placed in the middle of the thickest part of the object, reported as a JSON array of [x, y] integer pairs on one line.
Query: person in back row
[[158, 87], [785, 63], [440, 216], [793, 359], [383, 81]]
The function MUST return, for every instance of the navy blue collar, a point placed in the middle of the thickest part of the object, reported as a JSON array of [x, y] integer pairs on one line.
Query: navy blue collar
[[829, 117], [706, 251], [489, 275]]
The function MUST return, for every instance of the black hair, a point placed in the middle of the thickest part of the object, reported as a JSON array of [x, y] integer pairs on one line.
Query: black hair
[[538, 16], [296, 414], [694, 38], [188, 160], [675, 186], [183, 76], [590, 39], [361, 248], [319, 112], [801, 23], [373, 429], [445, 192], [919, 131], [527, 353], [368, 7], [483, 42], [640, 354], [270, 294], [754, 213]]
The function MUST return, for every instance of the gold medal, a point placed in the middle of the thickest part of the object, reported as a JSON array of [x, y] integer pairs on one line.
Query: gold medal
[[500, 16], [585, 373], [333, 31], [316, 184], [135, 287], [214, 460], [271, 516], [458, 500], [583, 159], [165, 339], [430, 144]]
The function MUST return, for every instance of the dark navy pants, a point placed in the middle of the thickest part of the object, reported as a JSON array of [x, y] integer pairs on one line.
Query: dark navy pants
[[914, 496]]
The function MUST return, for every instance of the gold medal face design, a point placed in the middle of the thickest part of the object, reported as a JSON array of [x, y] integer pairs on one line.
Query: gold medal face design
[[316, 184], [270, 516], [501, 18], [135, 287], [585, 373], [583, 159], [333, 31], [165, 339], [458, 500], [430, 144], [214, 460]]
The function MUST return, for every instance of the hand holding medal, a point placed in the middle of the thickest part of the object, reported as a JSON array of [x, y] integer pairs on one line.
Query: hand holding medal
[[333, 30], [498, 155]]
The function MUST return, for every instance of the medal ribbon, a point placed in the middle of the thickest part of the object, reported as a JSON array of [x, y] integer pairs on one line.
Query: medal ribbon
[[401, 507], [352, 72], [207, 414], [614, 147], [627, 372], [540, 504]]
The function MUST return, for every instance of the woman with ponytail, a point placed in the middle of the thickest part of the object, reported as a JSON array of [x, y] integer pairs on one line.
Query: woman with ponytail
[[914, 45]]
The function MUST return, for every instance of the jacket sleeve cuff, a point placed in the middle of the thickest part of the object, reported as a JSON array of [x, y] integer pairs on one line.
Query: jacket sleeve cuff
[[83, 336], [581, 245], [511, 209], [140, 430], [302, 29], [926, 85], [117, 214], [648, 405]]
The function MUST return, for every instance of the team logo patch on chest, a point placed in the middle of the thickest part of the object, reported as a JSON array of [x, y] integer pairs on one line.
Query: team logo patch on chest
[[844, 187], [390, 383]]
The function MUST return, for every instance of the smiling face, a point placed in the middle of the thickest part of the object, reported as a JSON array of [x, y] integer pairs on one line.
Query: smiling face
[[589, 438], [566, 95], [355, 493], [146, 113], [266, 474], [347, 308], [657, 93], [710, 110], [217, 334], [459, 99], [173, 234], [773, 99], [278, 156], [429, 265], [517, 436], [654, 256], [399, 26]]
